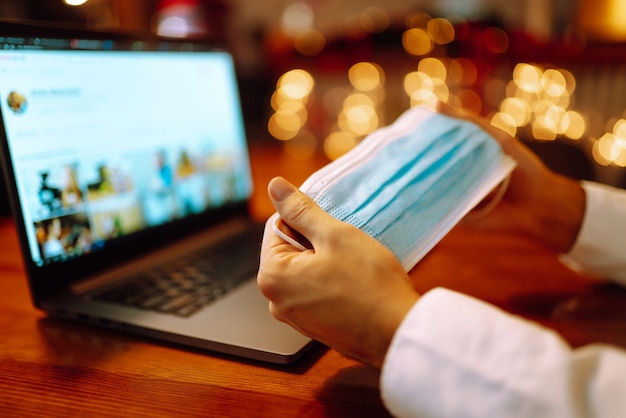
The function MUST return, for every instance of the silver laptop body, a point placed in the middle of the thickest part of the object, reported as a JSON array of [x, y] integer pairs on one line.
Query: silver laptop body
[[123, 154]]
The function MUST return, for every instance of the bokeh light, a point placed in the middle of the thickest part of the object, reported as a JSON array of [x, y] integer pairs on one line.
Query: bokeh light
[[365, 76], [288, 102], [574, 125], [297, 17], [496, 40], [427, 85], [433, 67], [296, 84], [611, 147], [528, 77], [528, 100], [284, 124], [440, 31], [338, 143], [517, 109], [540, 98], [417, 42], [309, 42]]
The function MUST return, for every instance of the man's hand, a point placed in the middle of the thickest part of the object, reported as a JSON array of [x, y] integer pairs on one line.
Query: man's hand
[[538, 203], [347, 291]]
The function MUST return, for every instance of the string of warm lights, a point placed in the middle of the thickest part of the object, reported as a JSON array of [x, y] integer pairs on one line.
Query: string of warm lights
[[540, 98], [611, 147], [536, 99]]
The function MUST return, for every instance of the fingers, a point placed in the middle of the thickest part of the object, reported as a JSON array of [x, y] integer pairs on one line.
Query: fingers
[[447, 109], [298, 212], [508, 143]]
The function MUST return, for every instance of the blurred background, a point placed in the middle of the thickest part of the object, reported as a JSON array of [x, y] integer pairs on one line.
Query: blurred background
[[316, 76]]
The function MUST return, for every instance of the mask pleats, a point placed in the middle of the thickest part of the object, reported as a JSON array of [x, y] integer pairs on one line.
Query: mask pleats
[[409, 183]]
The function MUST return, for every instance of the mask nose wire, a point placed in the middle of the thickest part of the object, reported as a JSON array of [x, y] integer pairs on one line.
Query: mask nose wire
[[491, 204]]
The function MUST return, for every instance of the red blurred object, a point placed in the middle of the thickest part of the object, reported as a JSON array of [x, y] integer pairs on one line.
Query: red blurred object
[[192, 19]]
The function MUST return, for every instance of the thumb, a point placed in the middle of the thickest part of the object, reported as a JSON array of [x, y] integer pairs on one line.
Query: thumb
[[298, 210]]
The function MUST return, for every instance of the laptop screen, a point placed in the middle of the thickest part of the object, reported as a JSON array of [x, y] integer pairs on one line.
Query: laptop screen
[[107, 139]]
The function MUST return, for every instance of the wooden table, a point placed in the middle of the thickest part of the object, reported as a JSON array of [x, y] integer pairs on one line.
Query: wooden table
[[49, 367]]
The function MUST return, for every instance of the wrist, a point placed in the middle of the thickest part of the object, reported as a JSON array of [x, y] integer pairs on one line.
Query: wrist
[[388, 326], [559, 213]]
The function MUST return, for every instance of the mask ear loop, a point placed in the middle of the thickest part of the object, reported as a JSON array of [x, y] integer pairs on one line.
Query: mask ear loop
[[284, 236], [486, 209]]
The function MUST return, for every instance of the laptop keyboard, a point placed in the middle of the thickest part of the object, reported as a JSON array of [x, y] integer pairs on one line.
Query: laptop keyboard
[[183, 286]]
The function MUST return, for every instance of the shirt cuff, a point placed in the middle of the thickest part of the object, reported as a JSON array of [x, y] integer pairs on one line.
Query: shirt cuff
[[599, 247], [454, 355]]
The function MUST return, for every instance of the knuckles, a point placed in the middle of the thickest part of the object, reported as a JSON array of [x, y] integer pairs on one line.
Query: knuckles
[[272, 281], [298, 210], [268, 285]]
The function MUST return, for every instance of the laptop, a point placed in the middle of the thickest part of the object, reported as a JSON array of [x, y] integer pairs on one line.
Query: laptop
[[128, 170]]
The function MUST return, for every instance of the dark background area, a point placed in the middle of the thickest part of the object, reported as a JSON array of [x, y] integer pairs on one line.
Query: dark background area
[[582, 36]]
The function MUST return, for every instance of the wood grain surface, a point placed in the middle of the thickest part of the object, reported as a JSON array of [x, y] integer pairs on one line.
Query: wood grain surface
[[53, 368]]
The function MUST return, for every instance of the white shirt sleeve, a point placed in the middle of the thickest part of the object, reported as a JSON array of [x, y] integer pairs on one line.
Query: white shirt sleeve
[[456, 356], [600, 248]]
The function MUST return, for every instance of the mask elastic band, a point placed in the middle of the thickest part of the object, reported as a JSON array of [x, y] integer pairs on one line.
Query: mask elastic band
[[285, 236], [486, 209]]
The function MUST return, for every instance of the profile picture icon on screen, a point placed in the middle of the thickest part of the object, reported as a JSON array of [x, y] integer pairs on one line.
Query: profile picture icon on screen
[[17, 102]]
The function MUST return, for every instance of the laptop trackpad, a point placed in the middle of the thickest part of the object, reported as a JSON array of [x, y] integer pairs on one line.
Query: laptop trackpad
[[243, 318]]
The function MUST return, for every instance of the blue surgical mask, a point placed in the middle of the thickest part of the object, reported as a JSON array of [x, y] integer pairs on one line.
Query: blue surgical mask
[[409, 183]]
